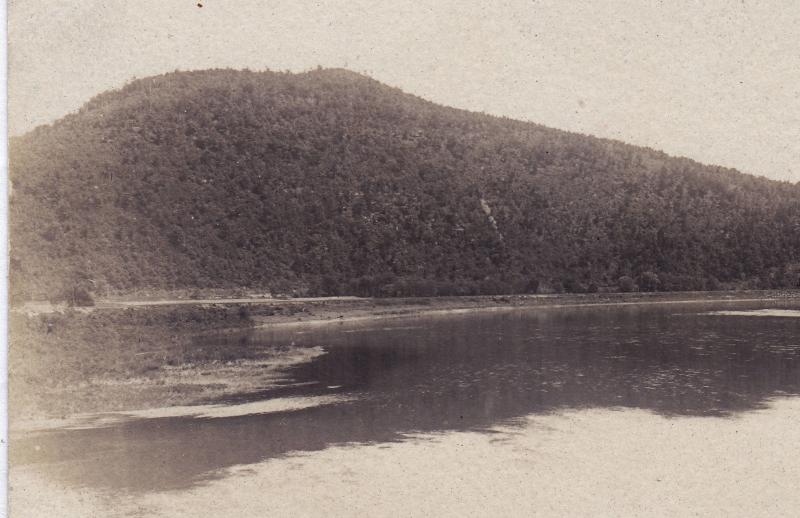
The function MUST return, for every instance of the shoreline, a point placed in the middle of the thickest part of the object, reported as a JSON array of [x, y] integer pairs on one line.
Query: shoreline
[[410, 310], [349, 303], [129, 375]]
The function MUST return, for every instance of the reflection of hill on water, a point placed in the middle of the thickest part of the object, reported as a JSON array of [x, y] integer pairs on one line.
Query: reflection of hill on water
[[455, 373]]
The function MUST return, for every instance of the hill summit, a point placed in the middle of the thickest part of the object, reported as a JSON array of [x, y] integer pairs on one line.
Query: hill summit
[[328, 182]]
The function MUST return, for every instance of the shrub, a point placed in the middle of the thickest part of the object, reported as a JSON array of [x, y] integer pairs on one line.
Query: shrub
[[713, 284], [81, 298], [73, 296], [649, 281], [532, 286], [626, 284]]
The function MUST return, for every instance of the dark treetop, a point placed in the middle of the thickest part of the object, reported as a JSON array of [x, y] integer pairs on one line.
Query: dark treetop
[[328, 182]]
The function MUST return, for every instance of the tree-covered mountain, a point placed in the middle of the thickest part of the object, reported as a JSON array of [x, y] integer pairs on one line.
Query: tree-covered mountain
[[328, 182]]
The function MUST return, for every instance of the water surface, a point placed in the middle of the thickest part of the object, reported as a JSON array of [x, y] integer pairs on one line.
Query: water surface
[[464, 372]]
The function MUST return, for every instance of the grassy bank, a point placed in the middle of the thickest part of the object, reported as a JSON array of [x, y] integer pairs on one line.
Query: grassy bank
[[81, 361], [107, 359]]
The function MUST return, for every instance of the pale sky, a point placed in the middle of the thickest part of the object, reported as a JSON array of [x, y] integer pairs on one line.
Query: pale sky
[[714, 80]]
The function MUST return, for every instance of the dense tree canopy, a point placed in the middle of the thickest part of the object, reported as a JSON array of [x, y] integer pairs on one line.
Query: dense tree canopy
[[328, 182]]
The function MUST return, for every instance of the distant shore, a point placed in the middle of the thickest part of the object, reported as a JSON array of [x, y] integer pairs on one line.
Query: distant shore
[[322, 311], [134, 354], [329, 308]]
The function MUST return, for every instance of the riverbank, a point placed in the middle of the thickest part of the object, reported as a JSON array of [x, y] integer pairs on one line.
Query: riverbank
[[138, 356], [323, 311]]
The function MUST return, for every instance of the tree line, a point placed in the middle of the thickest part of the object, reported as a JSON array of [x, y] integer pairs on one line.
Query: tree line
[[330, 183]]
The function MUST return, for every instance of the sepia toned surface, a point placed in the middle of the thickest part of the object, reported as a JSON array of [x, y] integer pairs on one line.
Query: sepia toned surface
[[586, 463], [611, 410], [716, 82], [345, 258]]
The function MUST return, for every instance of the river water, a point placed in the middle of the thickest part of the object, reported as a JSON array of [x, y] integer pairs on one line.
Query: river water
[[460, 403]]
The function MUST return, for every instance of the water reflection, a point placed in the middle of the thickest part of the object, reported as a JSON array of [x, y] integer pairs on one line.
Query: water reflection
[[451, 373]]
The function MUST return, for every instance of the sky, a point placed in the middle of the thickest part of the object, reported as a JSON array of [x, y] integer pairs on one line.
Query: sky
[[716, 80]]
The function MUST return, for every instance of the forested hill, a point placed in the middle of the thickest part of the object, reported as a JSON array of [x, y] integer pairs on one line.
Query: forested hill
[[328, 182]]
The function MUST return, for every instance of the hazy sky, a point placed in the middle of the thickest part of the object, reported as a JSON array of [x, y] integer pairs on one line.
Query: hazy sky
[[714, 80]]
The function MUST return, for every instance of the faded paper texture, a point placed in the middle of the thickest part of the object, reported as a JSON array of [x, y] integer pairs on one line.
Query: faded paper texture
[[513, 258]]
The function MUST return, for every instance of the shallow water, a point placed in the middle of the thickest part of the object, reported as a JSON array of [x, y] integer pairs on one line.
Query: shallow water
[[393, 380]]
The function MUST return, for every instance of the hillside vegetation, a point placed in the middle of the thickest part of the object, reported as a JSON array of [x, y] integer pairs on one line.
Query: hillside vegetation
[[328, 182]]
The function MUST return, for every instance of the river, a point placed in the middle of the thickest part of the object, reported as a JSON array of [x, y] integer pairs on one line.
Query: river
[[664, 409]]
